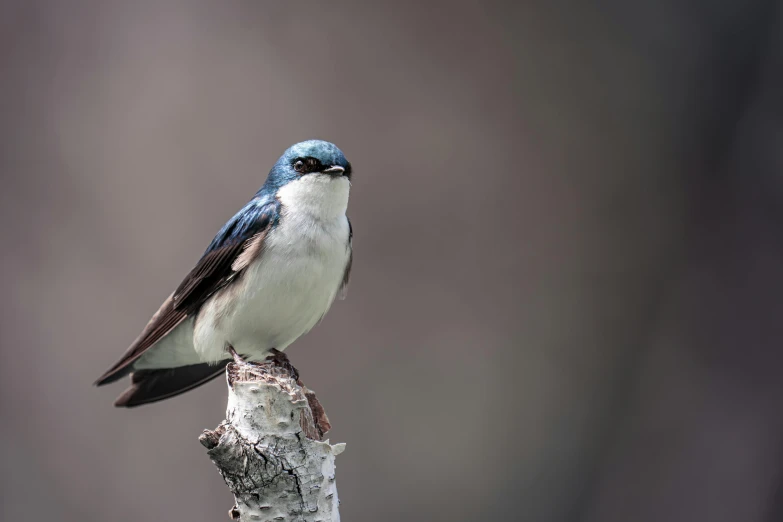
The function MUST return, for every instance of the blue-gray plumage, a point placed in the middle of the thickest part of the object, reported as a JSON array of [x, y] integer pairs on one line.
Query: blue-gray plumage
[[268, 276]]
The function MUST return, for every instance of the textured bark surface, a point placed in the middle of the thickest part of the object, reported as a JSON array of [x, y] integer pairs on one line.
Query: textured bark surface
[[269, 449]]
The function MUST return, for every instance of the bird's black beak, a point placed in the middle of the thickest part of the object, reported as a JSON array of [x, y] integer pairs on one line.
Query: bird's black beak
[[337, 170]]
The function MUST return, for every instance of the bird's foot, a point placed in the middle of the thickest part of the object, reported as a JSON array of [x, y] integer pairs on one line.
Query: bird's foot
[[281, 359], [237, 358]]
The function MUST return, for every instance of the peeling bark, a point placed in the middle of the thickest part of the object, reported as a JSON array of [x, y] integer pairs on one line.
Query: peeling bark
[[270, 451]]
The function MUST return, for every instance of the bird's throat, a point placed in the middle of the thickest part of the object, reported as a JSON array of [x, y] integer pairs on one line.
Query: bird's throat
[[321, 196]]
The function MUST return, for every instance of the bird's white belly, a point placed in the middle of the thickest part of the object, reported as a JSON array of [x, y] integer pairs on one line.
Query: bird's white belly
[[281, 295]]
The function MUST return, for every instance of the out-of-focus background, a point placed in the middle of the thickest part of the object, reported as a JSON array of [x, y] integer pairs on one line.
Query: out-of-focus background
[[566, 299]]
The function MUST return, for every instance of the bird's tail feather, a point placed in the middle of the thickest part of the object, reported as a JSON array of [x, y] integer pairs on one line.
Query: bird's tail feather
[[155, 385], [114, 374]]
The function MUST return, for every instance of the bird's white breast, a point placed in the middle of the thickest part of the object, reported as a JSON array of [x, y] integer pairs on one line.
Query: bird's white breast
[[286, 290]]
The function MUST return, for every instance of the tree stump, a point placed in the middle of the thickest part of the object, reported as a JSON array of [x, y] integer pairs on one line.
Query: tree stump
[[270, 449]]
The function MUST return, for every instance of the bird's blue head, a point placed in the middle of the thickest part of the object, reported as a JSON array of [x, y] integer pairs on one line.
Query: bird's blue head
[[307, 158]]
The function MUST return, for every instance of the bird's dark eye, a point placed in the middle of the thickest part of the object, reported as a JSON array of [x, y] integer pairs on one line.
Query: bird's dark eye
[[299, 166]]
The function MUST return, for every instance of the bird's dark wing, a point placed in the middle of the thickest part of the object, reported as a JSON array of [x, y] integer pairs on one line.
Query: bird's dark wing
[[347, 275], [232, 250]]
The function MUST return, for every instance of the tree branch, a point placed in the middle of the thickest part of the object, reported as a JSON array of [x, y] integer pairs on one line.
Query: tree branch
[[270, 451]]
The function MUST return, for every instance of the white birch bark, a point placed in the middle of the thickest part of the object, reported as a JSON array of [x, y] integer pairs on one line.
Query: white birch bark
[[269, 449]]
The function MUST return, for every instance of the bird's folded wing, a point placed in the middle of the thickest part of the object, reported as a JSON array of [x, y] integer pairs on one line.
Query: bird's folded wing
[[237, 243], [347, 274]]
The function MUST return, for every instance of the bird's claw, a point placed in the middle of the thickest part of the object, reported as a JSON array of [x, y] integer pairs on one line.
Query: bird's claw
[[237, 358], [281, 359]]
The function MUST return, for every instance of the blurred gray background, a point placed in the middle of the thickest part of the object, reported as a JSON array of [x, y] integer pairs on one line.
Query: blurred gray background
[[566, 297]]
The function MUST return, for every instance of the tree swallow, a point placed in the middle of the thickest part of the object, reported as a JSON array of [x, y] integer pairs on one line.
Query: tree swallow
[[269, 275]]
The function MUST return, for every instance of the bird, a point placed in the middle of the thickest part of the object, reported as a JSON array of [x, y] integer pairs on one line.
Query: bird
[[269, 276]]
